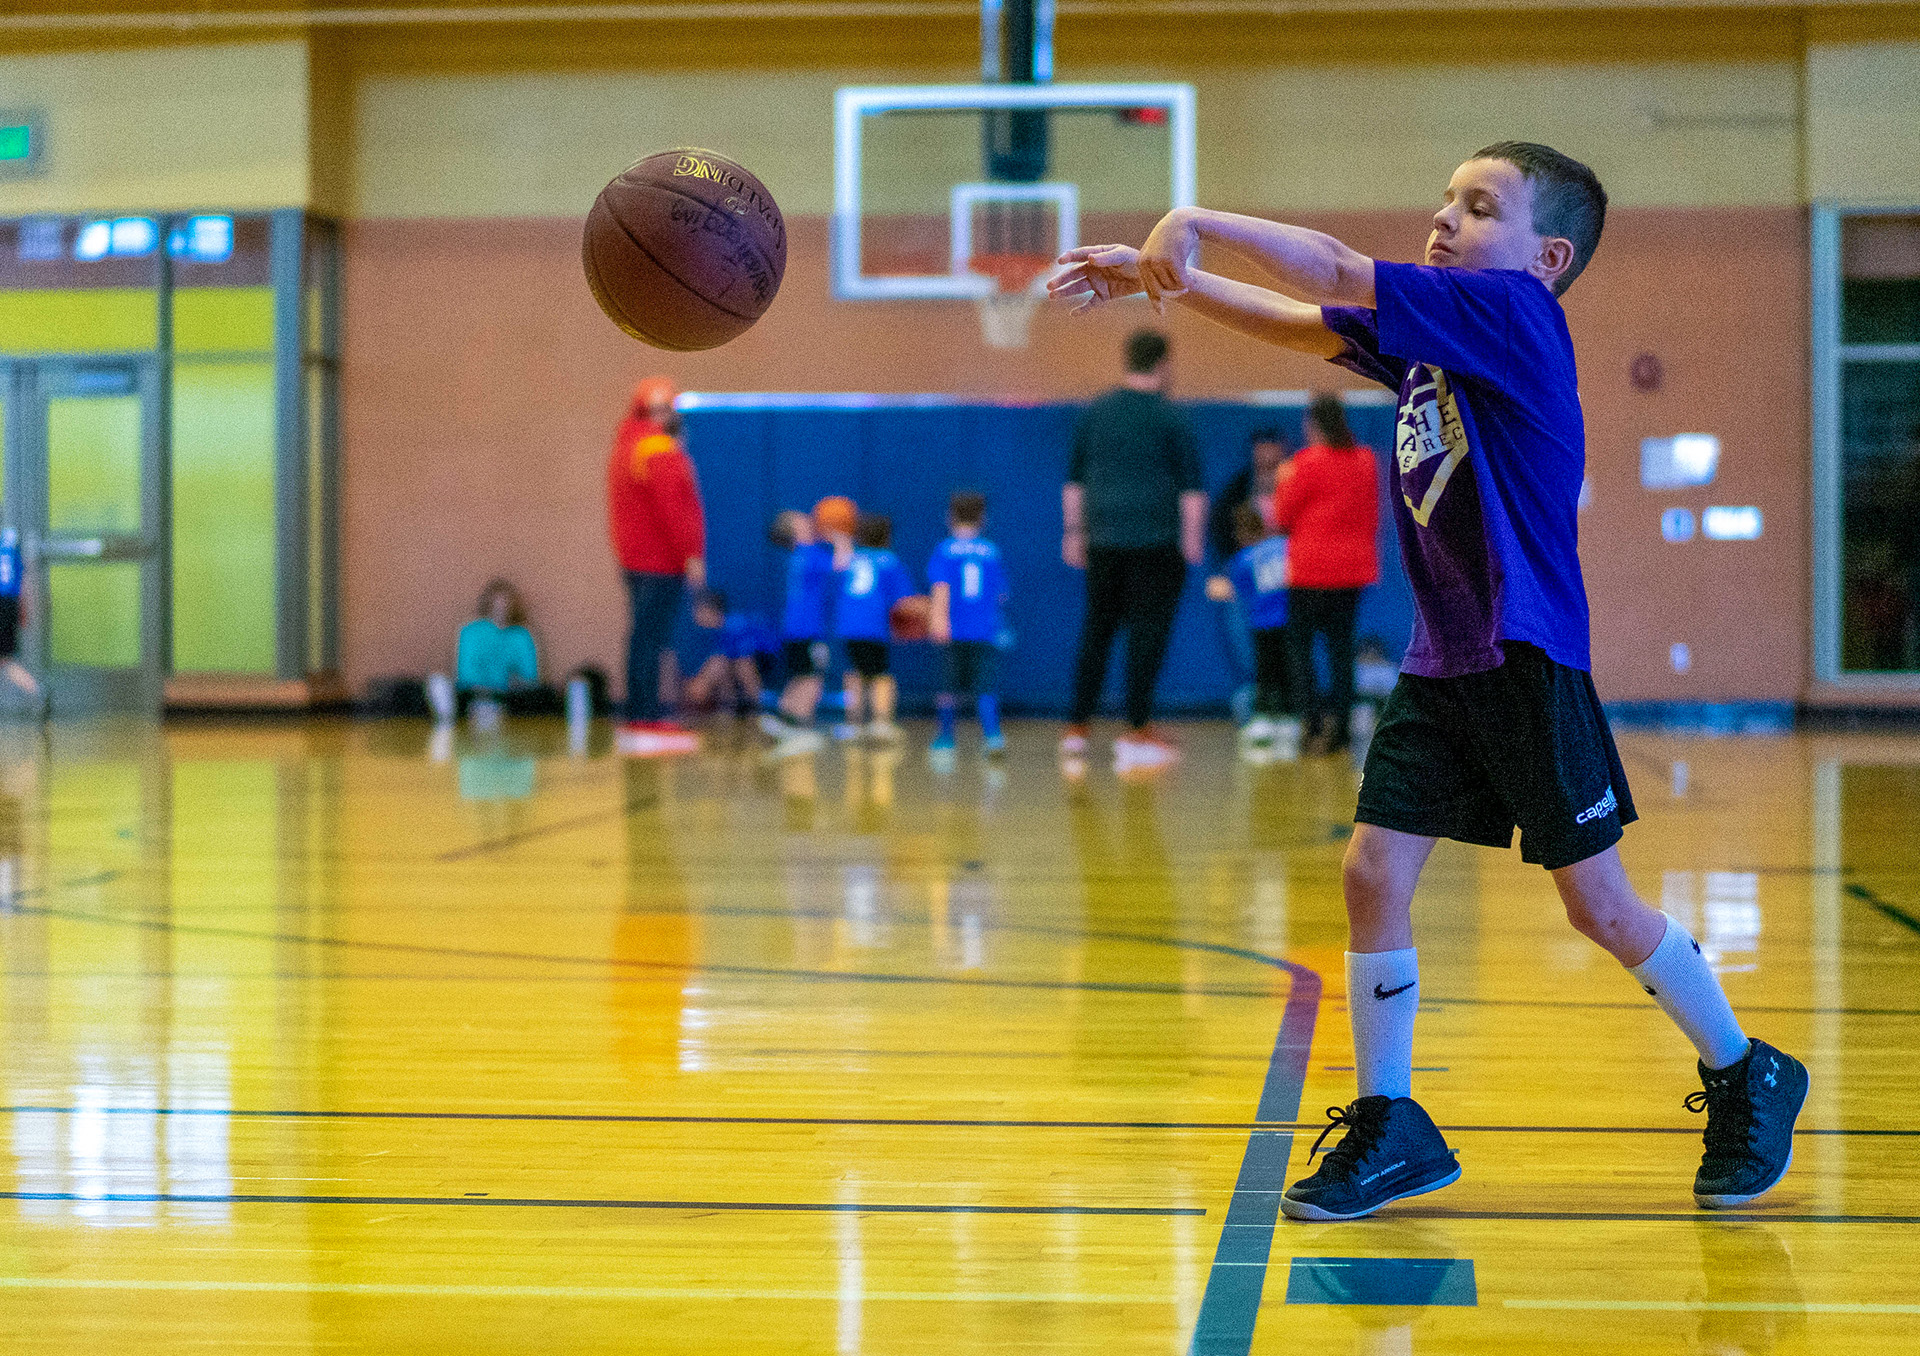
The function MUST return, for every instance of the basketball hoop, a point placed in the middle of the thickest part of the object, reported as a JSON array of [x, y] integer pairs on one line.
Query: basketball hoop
[[1019, 286]]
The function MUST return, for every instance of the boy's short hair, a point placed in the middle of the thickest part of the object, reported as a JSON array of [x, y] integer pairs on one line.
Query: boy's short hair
[[967, 508], [1568, 201], [874, 529], [781, 530], [1248, 526], [1146, 350]]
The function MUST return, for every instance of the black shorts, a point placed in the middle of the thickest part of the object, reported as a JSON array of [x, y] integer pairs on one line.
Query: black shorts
[[868, 657], [9, 626], [1471, 758], [799, 659], [973, 667]]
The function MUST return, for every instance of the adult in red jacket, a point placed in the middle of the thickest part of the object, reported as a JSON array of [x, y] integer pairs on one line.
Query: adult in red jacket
[[659, 536], [1328, 504]]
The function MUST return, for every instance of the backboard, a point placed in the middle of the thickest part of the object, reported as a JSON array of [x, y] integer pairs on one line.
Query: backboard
[[968, 192]]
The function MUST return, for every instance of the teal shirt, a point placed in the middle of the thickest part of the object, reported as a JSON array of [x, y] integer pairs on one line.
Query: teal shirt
[[495, 658]]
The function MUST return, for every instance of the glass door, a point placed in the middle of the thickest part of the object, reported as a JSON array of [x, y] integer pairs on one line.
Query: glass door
[[84, 487]]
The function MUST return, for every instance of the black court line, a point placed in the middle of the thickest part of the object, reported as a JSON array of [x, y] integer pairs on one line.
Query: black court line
[[876, 1122], [507, 840], [1886, 908], [876, 977], [771, 1207], [1641, 1217], [1427, 1000], [617, 963]]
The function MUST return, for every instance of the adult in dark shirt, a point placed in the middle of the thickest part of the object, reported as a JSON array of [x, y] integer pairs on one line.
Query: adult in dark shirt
[[1134, 518], [1252, 484]]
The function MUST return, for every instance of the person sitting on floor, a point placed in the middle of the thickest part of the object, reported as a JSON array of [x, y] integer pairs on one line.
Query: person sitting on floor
[[495, 660], [745, 651]]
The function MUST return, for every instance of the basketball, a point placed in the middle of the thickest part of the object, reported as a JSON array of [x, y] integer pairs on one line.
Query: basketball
[[836, 513], [685, 250], [908, 619]]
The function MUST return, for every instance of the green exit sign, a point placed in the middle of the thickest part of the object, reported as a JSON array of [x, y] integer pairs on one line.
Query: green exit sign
[[22, 144]]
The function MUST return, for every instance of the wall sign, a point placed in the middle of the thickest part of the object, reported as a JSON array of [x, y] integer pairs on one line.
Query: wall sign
[[23, 138]]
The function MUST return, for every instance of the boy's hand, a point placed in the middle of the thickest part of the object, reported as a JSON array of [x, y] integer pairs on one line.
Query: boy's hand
[[1100, 273], [1172, 248], [1220, 588], [939, 630]]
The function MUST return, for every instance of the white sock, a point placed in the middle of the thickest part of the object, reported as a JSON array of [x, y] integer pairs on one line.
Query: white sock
[[1383, 994], [1679, 979]]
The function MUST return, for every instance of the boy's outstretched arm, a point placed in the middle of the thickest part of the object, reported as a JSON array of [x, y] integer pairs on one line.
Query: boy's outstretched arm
[[1302, 263], [1103, 273]]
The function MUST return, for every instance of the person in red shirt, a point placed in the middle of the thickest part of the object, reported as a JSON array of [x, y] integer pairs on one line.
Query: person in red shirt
[[1328, 503], [659, 533]]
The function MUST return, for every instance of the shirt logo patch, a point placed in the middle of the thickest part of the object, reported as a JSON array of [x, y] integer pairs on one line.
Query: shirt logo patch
[[647, 448], [1429, 427]]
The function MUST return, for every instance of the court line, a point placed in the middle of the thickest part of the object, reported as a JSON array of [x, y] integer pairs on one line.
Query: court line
[[1645, 1217], [507, 840], [877, 1122], [1884, 907], [567, 1292], [1714, 1306], [1230, 1305], [678, 967], [518, 1202]]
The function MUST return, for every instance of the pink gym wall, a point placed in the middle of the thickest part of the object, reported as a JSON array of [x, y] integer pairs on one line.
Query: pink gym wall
[[481, 384]]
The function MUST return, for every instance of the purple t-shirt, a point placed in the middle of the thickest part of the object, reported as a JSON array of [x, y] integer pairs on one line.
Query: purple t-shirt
[[1484, 368]]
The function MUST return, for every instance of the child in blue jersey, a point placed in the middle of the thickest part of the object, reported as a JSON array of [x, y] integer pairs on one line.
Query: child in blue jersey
[[872, 583], [1257, 576], [968, 589], [745, 650], [1494, 723], [10, 666], [803, 628]]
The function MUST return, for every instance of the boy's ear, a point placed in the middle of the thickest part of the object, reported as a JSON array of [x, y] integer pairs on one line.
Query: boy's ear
[[1553, 260]]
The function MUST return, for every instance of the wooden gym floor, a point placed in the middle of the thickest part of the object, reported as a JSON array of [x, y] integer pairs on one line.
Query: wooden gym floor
[[315, 1043]]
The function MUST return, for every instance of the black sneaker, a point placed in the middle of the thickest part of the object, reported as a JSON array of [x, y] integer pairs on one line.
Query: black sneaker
[[1751, 1107], [1392, 1149]]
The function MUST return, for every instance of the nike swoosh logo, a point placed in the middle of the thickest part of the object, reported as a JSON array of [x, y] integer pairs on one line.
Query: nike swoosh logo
[[1381, 993]]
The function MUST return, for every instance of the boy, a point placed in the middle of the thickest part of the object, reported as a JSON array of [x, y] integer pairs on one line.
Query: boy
[[803, 628], [968, 588], [872, 583], [1257, 576], [743, 655], [1494, 723]]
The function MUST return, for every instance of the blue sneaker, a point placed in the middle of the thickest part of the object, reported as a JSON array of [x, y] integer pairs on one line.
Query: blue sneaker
[[1751, 1107], [994, 745], [942, 743], [1391, 1150]]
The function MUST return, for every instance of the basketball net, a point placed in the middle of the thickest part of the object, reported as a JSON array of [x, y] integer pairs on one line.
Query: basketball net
[[1020, 285]]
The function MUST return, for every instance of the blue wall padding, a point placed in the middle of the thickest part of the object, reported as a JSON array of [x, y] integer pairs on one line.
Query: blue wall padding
[[904, 457]]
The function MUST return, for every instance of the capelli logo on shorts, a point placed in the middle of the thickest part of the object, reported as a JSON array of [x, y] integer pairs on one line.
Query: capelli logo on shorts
[[1600, 809]]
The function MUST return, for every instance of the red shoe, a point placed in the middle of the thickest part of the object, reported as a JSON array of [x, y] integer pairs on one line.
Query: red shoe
[[654, 739]]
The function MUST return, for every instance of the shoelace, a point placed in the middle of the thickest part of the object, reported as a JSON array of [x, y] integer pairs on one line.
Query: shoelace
[[1729, 1120], [1362, 1131]]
